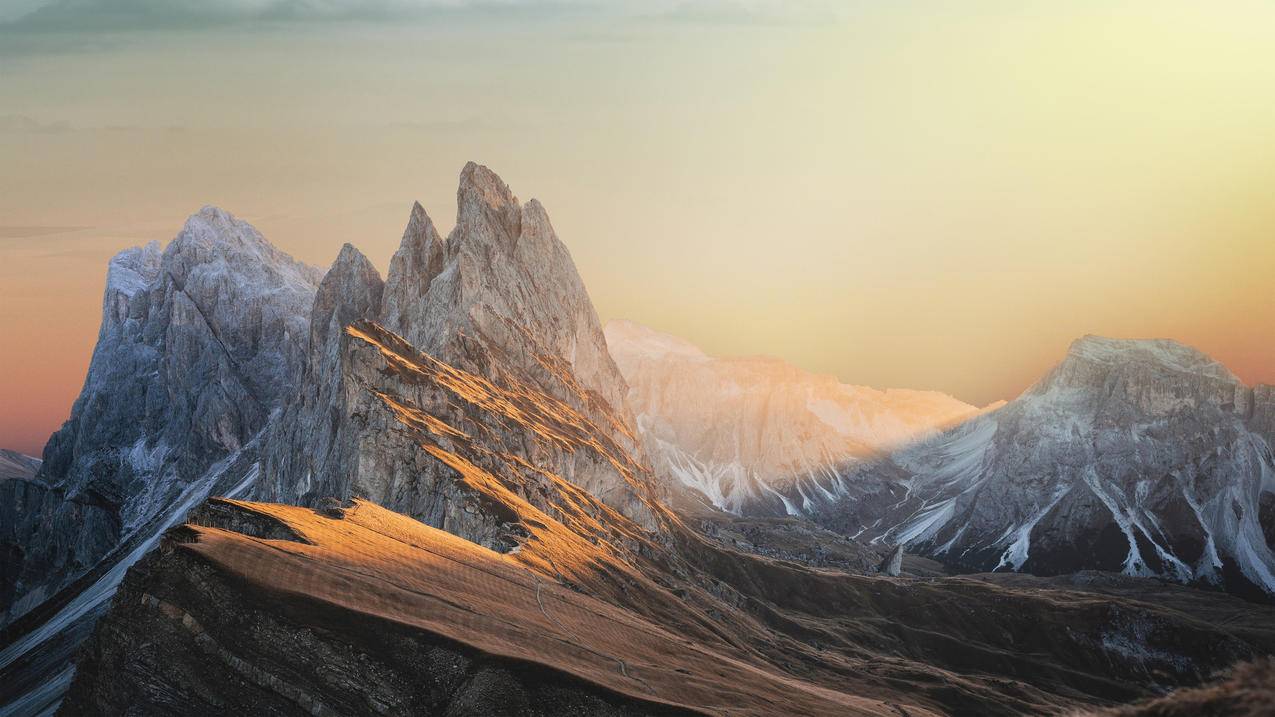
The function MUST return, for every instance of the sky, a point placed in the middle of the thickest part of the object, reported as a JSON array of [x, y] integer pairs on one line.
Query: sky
[[935, 195]]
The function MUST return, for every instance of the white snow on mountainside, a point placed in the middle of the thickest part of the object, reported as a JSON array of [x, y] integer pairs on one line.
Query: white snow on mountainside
[[758, 435], [1144, 457]]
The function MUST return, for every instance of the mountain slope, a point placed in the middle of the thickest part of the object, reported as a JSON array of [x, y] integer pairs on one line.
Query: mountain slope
[[478, 532], [16, 466], [199, 344], [1141, 457], [759, 436], [490, 331]]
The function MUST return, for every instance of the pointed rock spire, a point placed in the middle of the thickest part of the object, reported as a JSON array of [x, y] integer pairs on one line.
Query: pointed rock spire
[[892, 565], [350, 291], [418, 260], [486, 209]]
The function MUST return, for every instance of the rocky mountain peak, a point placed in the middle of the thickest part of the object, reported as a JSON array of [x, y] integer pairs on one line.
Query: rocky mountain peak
[[198, 344], [132, 269], [486, 209], [760, 436], [17, 466], [1164, 354], [213, 238], [495, 309], [351, 290], [501, 278], [418, 260], [1147, 377]]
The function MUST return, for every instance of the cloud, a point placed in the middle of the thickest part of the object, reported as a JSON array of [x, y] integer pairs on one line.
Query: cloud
[[28, 125], [127, 15], [21, 232], [73, 26]]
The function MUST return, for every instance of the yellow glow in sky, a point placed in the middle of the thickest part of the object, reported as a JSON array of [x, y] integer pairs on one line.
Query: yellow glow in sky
[[922, 195]]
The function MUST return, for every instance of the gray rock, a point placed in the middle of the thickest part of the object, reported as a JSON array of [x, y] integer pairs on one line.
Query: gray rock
[[496, 312], [198, 344], [1141, 457], [16, 466], [893, 563]]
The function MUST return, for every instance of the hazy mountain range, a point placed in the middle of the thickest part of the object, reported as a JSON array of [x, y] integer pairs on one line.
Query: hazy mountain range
[[448, 490]]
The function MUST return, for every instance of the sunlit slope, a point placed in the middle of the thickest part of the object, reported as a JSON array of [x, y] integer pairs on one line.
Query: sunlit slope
[[366, 573]]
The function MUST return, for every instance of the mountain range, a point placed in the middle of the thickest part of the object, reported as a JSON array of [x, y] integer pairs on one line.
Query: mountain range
[[448, 490]]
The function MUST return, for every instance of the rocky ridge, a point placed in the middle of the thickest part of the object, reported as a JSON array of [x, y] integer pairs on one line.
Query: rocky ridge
[[16, 466], [1141, 457], [559, 579], [489, 331], [758, 436]]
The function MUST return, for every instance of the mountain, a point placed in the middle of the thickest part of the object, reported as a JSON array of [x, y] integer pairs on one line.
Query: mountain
[[16, 466], [451, 512], [758, 436], [1144, 457], [489, 331], [199, 343]]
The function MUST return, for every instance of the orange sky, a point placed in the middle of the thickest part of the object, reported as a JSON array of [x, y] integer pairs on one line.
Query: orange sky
[[926, 195]]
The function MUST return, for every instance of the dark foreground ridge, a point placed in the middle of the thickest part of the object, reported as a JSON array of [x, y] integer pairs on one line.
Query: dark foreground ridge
[[286, 610]]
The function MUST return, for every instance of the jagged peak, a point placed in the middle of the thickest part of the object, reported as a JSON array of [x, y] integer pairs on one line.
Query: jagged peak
[[350, 255], [419, 226], [1165, 353], [420, 231], [484, 200], [477, 181], [351, 290], [213, 224], [213, 234], [417, 261], [131, 270]]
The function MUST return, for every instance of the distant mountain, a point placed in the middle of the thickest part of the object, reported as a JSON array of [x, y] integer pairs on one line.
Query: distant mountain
[[16, 466], [759, 436], [1142, 457]]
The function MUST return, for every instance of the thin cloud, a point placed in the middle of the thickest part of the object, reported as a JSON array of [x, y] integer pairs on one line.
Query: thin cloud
[[63, 16], [77, 26], [20, 232], [29, 125], [60, 16]]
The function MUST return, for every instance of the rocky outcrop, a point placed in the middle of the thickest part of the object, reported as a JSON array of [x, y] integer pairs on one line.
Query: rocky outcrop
[[504, 278], [758, 436], [16, 466], [198, 344], [892, 565], [489, 332], [1141, 457]]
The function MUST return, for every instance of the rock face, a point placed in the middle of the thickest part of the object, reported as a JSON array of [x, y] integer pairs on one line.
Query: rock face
[[199, 343], [465, 523], [501, 277], [489, 331], [1141, 457], [759, 436], [892, 566], [16, 466]]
